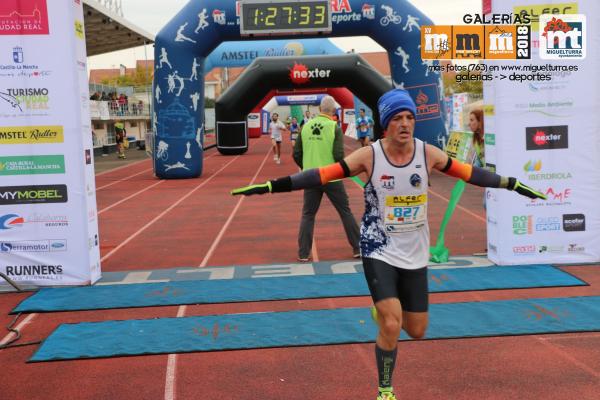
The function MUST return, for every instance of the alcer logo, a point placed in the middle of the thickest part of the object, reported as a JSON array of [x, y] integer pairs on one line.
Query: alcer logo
[[300, 74], [562, 36]]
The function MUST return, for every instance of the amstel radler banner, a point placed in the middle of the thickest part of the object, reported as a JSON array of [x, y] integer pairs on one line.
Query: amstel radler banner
[[547, 134], [48, 215]]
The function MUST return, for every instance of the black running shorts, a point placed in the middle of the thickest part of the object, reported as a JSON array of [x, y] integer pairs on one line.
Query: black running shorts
[[407, 285]]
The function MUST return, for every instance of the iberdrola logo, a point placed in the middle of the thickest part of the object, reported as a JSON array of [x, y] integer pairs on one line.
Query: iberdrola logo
[[532, 166]]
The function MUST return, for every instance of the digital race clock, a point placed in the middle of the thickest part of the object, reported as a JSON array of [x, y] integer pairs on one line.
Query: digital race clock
[[266, 17]]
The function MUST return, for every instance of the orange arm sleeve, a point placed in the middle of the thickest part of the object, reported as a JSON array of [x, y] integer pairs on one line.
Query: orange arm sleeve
[[331, 172], [460, 170]]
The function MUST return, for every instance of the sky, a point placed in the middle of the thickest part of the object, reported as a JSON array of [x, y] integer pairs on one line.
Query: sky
[[152, 15]]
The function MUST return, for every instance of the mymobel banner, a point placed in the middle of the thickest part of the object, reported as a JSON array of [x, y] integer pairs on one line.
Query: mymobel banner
[[542, 129], [48, 215]]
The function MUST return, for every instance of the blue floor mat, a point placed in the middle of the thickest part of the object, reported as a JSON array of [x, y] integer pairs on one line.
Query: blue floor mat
[[282, 288], [307, 328]]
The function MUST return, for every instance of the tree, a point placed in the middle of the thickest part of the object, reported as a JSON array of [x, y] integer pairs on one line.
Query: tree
[[451, 85], [140, 77]]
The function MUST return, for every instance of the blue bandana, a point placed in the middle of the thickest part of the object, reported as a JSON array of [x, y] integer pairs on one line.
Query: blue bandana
[[392, 102]]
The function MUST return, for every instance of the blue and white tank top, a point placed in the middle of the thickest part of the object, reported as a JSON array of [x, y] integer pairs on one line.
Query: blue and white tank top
[[394, 228]]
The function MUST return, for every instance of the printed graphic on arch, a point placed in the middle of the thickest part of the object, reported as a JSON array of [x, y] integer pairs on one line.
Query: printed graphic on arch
[[427, 100], [24, 17], [563, 37]]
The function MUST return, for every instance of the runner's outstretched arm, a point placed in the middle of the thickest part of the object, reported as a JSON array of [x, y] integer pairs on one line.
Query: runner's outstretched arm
[[352, 165], [478, 176], [355, 163]]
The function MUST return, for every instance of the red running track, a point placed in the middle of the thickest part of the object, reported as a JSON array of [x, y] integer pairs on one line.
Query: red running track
[[146, 223]]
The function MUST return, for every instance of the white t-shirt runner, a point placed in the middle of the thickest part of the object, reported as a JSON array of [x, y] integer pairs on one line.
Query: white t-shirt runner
[[394, 228], [276, 128]]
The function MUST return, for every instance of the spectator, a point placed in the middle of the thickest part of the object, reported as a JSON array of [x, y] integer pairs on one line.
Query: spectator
[[364, 125], [477, 155], [320, 143], [307, 117], [120, 133], [294, 131], [276, 128]]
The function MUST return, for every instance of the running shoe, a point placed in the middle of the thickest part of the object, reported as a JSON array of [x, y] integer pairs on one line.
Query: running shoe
[[386, 394]]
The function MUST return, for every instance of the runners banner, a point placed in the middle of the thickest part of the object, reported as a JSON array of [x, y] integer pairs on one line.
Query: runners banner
[[48, 215], [544, 132]]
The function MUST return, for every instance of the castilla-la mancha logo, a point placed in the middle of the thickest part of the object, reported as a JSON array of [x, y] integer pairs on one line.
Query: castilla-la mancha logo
[[23, 17], [300, 74]]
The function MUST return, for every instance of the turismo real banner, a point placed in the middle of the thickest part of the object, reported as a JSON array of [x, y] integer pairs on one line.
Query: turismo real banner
[[48, 215], [546, 133]]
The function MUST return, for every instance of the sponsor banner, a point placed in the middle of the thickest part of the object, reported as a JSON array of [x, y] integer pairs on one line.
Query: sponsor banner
[[22, 64], [33, 272], [33, 194], [349, 116], [44, 130], [254, 120], [31, 134], [24, 17], [38, 221], [427, 100], [460, 146], [24, 101], [573, 222], [546, 136], [535, 11], [33, 246], [32, 165]]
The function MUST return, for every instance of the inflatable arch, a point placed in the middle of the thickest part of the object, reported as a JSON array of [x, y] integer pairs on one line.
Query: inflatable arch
[[264, 74], [182, 46], [258, 119]]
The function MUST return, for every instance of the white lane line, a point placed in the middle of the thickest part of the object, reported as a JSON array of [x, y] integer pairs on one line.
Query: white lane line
[[162, 214], [172, 366], [170, 388], [19, 327], [216, 242], [479, 217], [122, 179], [556, 349], [130, 197], [136, 174], [122, 167]]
